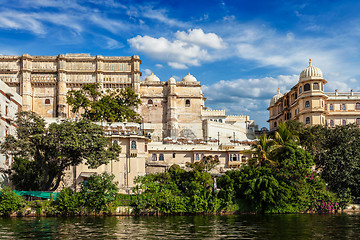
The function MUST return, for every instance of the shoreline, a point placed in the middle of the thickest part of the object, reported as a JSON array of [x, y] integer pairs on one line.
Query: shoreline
[[128, 212]]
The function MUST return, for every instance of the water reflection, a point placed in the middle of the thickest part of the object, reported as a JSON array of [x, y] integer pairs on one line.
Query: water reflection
[[294, 226]]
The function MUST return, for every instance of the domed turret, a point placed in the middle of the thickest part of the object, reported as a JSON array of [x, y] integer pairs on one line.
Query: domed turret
[[172, 80], [152, 78], [275, 98], [311, 72], [189, 78]]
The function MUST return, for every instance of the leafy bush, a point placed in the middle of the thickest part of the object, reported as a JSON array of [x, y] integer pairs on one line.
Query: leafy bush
[[68, 202], [9, 202], [98, 192]]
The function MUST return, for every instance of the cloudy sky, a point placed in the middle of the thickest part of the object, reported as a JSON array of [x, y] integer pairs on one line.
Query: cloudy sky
[[241, 51]]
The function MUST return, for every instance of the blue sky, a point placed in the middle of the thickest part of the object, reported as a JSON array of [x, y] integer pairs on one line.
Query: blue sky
[[241, 51]]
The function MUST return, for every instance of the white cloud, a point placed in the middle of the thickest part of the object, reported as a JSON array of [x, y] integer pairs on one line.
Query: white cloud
[[111, 43], [159, 65], [198, 37], [247, 96], [178, 53], [114, 26]]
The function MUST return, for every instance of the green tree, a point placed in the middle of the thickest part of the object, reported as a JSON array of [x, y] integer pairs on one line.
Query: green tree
[[98, 191], [111, 105], [287, 186], [41, 154], [262, 152], [339, 159]]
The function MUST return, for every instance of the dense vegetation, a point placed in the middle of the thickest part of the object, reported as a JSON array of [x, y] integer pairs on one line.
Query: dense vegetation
[[337, 155], [279, 179], [41, 154], [97, 194]]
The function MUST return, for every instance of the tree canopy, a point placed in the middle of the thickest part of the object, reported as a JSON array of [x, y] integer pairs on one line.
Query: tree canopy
[[112, 105], [42, 154]]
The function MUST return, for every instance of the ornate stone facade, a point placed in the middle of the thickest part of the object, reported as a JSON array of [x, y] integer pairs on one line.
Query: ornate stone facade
[[43, 81], [308, 103]]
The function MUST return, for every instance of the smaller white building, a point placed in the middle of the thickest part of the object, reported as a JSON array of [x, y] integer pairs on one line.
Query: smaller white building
[[10, 104]]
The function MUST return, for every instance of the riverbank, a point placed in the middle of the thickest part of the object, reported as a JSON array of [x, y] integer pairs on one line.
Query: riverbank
[[129, 211]]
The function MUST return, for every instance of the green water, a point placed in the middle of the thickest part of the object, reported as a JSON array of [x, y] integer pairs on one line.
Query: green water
[[294, 226]]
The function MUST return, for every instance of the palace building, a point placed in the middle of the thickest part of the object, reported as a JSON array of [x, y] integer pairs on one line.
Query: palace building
[[176, 126], [310, 104]]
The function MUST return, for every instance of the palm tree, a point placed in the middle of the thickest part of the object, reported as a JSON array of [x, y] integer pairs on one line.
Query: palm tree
[[262, 151], [283, 135]]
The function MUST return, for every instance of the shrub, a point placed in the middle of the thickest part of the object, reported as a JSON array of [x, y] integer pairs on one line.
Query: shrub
[[98, 192], [68, 202], [9, 202]]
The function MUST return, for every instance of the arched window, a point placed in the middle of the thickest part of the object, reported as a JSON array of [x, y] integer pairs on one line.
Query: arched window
[[331, 122], [325, 106], [307, 104], [307, 120], [331, 107], [307, 87], [275, 124], [174, 155], [133, 144], [343, 106], [300, 90], [47, 101], [150, 102], [358, 121], [115, 142], [197, 157], [243, 158], [161, 157], [344, 122], [154, 157], [216, 157], [220, 120], [316, 86], [187, 103], [357, 106]]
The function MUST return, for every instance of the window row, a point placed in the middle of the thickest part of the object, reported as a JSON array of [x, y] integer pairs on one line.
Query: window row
[[235, 157], [342, 106], [154, 157], [307, 87], [343, 122], [150, 103]]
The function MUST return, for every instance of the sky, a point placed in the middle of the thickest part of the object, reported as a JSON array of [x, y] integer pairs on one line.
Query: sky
[[240, 51]]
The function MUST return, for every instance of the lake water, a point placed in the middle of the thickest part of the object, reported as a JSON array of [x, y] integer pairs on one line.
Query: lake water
[[291, 226]]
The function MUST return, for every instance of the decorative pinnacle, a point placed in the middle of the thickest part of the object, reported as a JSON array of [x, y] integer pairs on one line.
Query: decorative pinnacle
[[278, 90], [310, 62]]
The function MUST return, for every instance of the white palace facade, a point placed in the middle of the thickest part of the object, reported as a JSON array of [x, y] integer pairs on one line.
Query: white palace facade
[[310, 104]]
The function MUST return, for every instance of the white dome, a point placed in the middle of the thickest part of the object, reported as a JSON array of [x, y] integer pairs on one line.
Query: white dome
[[152, 78], [172, 80], [189, 78], [275, 98], [311, 72]]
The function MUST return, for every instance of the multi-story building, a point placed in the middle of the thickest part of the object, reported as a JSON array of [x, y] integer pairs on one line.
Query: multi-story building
[[308, 103], [175, 121], [10, 104]]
